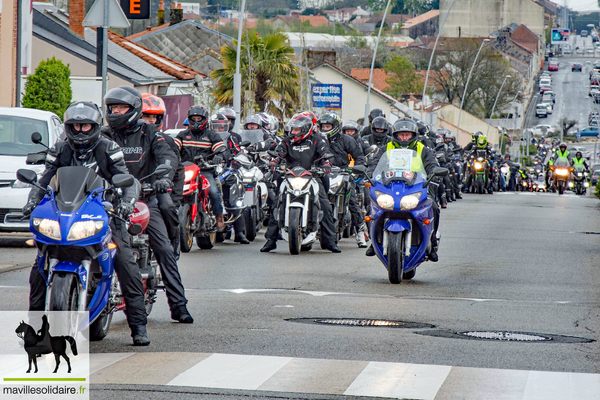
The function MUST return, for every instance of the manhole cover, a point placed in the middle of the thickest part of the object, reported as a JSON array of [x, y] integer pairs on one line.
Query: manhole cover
[[362, 322], [506, 336]]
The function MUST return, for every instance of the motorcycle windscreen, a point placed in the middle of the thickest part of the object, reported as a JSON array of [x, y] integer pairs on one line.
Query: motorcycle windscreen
[[252, 135], [562, 162], [72, 185], [400, 165]]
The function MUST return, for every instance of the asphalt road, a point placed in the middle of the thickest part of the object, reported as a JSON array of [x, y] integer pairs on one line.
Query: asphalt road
[[508, 262]]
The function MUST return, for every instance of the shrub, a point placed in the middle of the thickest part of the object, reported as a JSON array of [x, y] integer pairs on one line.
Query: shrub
[[49, 88]]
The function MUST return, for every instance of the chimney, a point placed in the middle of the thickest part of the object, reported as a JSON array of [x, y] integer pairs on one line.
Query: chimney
[[411, 102], [76, 16], [161, 13], [176, 14]]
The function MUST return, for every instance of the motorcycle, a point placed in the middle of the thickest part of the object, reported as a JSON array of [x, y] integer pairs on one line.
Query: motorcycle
[[561, 172], [339, 195], [71, 229], [479, 166], [580, 182], [401, 213]]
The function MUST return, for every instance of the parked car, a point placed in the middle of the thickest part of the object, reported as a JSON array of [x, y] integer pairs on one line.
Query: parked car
[[590, 50], [590, 131], [545, 88], [553, 66], [585, 152], [595, 176], [577, 67], [584, 33], [545, 81], [543, 130], [541, 111], [549, 104], [596, 97], [594, 88], [16, 127], [549, 94]]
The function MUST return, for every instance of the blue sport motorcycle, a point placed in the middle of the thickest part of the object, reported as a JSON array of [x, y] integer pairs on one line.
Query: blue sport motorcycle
[[71, 229], [401, 213]]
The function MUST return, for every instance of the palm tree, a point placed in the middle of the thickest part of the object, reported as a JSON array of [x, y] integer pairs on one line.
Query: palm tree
[[268, 71]]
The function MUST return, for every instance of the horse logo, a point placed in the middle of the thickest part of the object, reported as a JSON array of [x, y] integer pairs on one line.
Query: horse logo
[[37, 344]]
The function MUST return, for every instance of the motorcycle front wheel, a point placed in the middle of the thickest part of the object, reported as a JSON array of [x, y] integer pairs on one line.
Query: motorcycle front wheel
[[295, 230], [99, 328], [185, 225], [207, 242], [395, 256], [250, 224]]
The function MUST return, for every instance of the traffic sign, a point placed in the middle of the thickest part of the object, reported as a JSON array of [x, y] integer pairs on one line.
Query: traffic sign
[[559, 36], [115, 19], [136, 9]]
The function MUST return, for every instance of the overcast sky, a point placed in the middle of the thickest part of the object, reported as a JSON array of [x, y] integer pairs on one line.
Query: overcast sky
[[580, 5]]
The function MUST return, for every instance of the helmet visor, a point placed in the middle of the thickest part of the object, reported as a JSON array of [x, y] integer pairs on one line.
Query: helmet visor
[[82, 114]]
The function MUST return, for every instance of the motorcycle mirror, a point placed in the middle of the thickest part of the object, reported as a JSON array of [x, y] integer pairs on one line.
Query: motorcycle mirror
[[359, 169], [273, 153], [27, 176], [329, 156], [134, 229], [439, 171], [246, 143], [123, 180], [36, 138], [163, 169]]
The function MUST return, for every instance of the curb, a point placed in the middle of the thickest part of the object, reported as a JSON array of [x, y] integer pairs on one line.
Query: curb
[[10, 268]]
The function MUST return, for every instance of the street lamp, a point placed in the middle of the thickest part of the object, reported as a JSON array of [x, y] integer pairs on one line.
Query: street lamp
[[495, 101], [431, 57], [237, 77], [506, 120], [368, 106], [462, 102]]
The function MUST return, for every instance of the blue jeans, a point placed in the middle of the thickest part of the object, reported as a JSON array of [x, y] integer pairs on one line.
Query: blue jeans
[[213, 192]]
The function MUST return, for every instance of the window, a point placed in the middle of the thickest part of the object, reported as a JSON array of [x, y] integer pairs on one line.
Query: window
[[15, 135]]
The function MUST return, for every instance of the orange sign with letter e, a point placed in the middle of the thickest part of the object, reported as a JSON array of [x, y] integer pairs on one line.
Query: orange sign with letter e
[[136, 9]]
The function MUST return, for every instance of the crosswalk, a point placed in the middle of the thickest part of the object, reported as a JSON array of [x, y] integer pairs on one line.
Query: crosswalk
[[339, 377]]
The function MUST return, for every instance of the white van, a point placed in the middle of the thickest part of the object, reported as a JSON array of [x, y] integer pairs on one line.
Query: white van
[[545, 81], [16, 127], [541, 110]]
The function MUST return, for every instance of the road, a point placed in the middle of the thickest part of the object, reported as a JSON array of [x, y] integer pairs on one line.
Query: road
[[508, 262]]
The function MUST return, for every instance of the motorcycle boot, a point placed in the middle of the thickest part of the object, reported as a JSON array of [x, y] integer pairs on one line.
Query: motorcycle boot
[[443, 201], [181, 314], [361, 236], [370, 251], [140, 335], [270, 245], [433, 256], [241, 238]]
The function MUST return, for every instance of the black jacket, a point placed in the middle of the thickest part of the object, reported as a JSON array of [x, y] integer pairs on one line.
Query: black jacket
[[343, 145], [203, 143], [144, 149], [107, 160], [179, 178], [303, 153]]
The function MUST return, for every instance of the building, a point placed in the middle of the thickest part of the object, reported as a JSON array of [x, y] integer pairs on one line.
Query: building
[[354, 93], [288, 22], [392, 21], [479, 18], [8, 46], [422, 25], [346, 13], [189, 43]]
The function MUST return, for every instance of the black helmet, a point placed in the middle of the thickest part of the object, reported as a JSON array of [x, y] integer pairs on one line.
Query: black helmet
[[376, 112], [350, 126], [423, 129], [123, 95], [562, 144], [219, 120], [578, 154], [83, 112], [197, 111], [332, 119], [475, 136], [304, 123], [405, 125], [380, 123], [507, 156]]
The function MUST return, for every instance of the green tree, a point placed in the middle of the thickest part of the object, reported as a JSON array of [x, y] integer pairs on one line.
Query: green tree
[[268, 72], [404, 79], [49, 88]]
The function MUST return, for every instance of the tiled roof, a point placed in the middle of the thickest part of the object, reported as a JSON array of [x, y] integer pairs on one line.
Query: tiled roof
[[379, 77], [287, 19], [188, 43], [401, 43], [164, 64], [147, 31], [363, 20], [314, 20], [390, 18], [422, 18], [525, 37]]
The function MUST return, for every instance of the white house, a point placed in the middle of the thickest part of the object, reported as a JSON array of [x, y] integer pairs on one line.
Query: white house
[[353, 94]]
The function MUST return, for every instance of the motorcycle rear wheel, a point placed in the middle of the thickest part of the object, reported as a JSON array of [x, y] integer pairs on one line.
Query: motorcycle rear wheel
[[561, 189], [295, 230], [395, 256], [250, 224], [187, 238]]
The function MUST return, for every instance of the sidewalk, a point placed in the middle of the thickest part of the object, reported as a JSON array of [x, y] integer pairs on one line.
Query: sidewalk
[[16, 254]]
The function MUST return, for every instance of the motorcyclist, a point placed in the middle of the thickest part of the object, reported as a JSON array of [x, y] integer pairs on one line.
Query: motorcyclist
[[453, 150], [481, 144], [222, 127], [510, 185], [374, 113], [404, 136], [85, 146], [562, 152], [426, 136], [522, 171], [343, 146], [231, 116], [380, 136], [153, 112], [201, 141], [302, 148], [579, 160], [145, 149]]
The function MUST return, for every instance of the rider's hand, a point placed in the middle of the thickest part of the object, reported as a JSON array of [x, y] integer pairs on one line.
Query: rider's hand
[[252, 148], [125, 209], [162, 185], [28, 209], [217, 159]]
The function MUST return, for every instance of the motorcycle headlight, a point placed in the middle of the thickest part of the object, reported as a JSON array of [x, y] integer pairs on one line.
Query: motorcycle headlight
[[84, 229], [586, 184], [248, 175], [384, 201], [47, 227], [298, 183], [579, 174], [189, 175], [478, 165], [410, 201], [562, 172], [504, 170], [335, 186], [571, 184]]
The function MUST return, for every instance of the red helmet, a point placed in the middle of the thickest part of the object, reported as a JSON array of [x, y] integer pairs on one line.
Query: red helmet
[[305, 122], [154, 105]]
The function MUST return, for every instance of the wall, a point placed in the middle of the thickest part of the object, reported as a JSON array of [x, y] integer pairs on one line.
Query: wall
[[468, 123], [8, 11], [354, 95], [478, 18]]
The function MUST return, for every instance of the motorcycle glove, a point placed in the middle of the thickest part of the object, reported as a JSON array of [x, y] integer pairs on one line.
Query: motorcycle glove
[[218, 159], [125, 209], [29, 207], [162, 185]]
